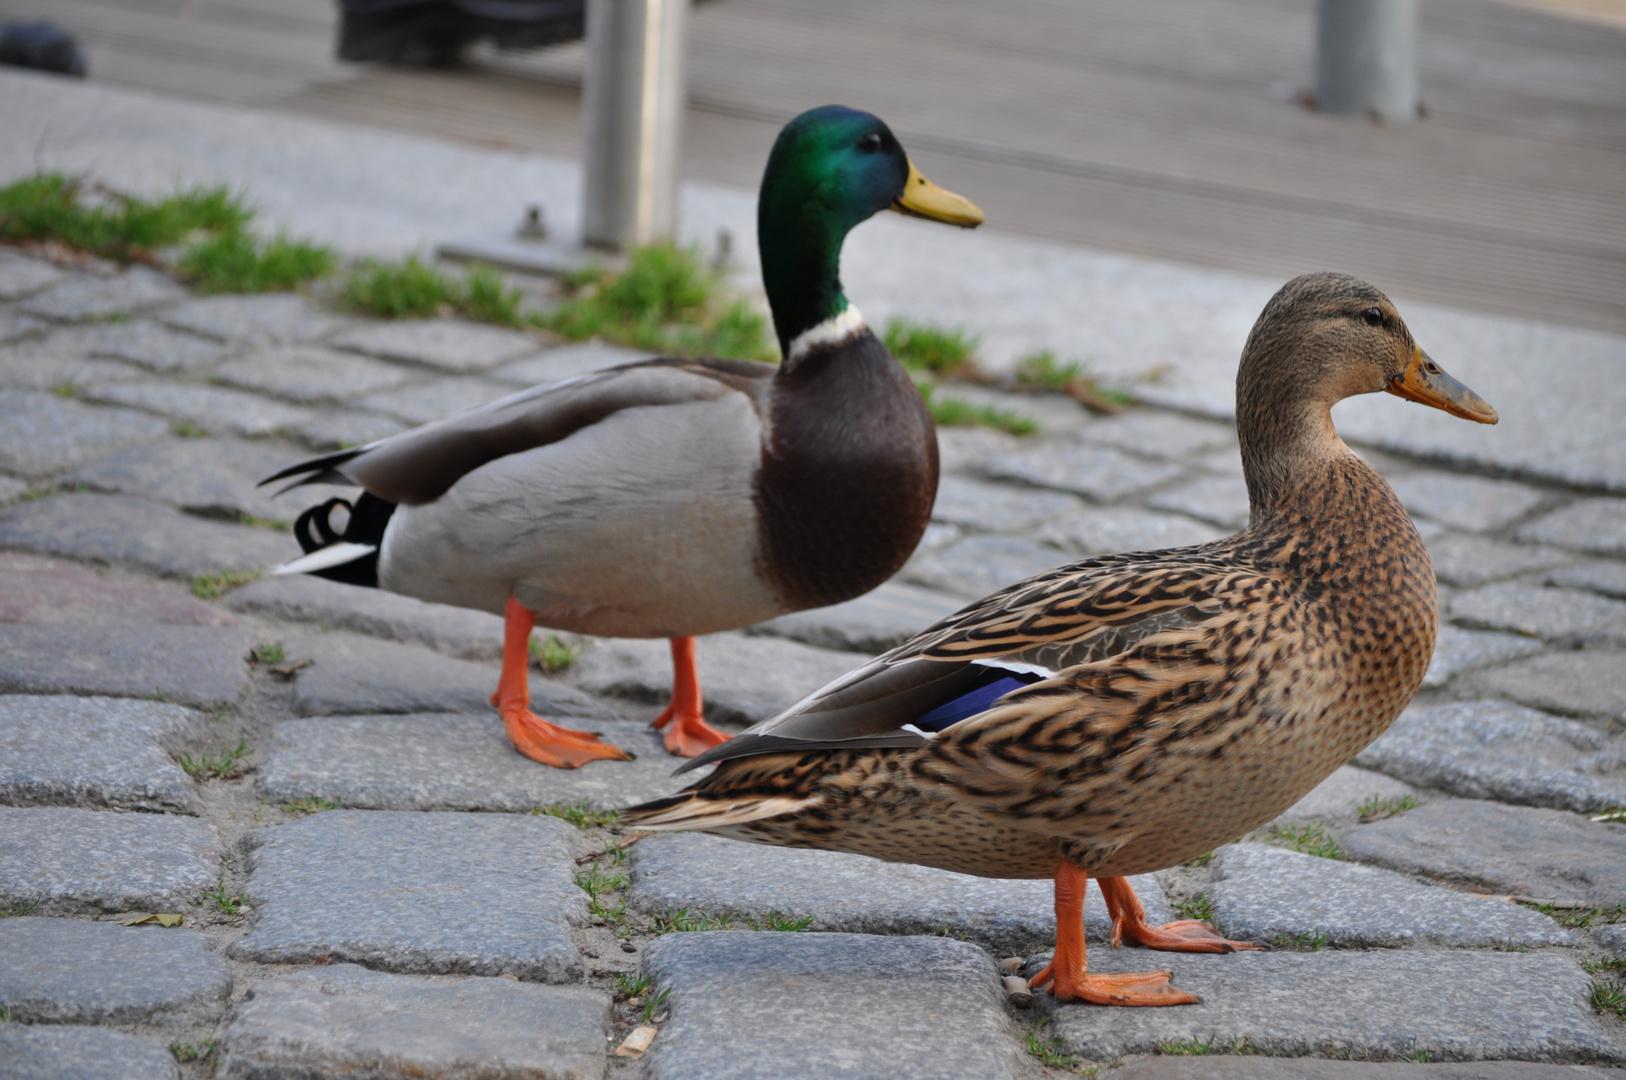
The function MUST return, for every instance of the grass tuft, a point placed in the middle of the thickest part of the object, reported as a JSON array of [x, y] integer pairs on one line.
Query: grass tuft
[[213, 586], [775, 921], [957, 412], [1192, 1047], [579, 815], [1050, 1051], [931, 349], [1614, 813], [1042, 371], [204, 1051], [235, 262], [665, 301], [1375, 808], [228, 904], [228, 766], [1305, 839], [1197, 907], [1305, 941], [654, 1003], [267, 654], [313, 805], [397, 290], [1200, 861], [553, 655], [682, 921], [632, 985]]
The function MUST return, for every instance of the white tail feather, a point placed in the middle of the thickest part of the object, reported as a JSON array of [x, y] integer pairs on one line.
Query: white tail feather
[[322, 558], [717, 813]]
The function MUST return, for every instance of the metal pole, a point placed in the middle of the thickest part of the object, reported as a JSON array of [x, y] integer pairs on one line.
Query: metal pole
[[1366, 58], [632, 106]]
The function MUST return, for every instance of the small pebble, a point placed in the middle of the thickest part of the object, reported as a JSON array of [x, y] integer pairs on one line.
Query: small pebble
[[627, 946], [1011, 965], [1017, 989]]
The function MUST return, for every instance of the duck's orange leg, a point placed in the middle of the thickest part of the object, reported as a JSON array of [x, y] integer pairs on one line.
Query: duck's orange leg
[[687, 733], [1186, 935], [1067, 972], [533, 736]]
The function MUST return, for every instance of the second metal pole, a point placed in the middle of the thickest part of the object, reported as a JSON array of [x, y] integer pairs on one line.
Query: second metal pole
[[632, 110], [1366, 58]]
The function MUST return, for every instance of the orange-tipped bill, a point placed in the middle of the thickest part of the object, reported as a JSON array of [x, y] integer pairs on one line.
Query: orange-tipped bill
[[924, 199], [1426, 382]]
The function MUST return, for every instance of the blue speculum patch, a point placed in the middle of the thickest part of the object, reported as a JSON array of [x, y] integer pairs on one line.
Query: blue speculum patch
[[997, 684]]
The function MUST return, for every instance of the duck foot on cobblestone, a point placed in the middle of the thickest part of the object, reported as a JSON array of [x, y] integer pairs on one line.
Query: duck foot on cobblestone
[[1185, 935], [1067, 973], [686, 732], [536, 738]]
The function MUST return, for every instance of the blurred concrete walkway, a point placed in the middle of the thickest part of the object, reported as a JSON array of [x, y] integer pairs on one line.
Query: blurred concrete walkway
[[1172, 332], [1169, 128]]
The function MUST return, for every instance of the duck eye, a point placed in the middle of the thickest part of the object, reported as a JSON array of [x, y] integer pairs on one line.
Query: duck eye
[[870, 143], [1373, 316]]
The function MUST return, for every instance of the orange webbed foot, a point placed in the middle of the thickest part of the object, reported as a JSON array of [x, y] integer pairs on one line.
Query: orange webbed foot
[[686, 732], [560, 747], [1186, 935], [1133, 988]]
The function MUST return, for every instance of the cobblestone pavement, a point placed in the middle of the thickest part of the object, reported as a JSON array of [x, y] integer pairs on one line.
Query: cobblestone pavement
[[373, 886]]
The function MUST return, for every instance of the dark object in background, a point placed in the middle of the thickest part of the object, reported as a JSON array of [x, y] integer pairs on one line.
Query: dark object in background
[[41, 46], [435, 31]]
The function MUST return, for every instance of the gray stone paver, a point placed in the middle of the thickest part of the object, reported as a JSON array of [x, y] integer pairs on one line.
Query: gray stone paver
[[215, 409], [214, 478], [53, 591], [977, 565], [349, 427], [1219, 500], [1383, 1004], [461, 632], [193, 665], [1590, 683], [1167, 434], [452, 345], [424, 402], [145, 342], [451, 761], [73, 971], [140, 533], [59, 750], [11, 489], [29, 1052], [1267, 892], [42, 434], [742, 679], [1524, 850], [865, 1007], [66, 859], [566, 361], [343, 1020], [1108, 529], [987, 507], [268, 319], [1495, 750], [854, 893], [89, 297], [480, 894], [873, 623], [1099, 472], [29, 366], [1457, 650], [310, 375], [1474, 560], [1473, 503], [1336, 799], [15, 325], [1608, 578], [1252, 1067], [20, 275], [354, 674], [1597, 526], [1538, 611]]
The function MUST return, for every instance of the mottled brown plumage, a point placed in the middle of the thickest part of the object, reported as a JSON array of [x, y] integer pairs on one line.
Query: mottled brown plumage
[[1185, 696]]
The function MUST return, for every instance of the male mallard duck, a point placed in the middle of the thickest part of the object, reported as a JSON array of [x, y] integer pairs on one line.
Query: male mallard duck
[[672, 497], [1123, 714]]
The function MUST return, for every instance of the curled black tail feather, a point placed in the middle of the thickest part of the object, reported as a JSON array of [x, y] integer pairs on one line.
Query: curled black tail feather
[[368, 517]]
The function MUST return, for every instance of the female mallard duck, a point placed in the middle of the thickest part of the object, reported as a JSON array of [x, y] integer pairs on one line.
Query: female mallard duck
[[1120, 715], [671, 498]]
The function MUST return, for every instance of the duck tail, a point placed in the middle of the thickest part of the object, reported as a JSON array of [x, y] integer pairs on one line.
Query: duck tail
[[695, 810], [350, 556]]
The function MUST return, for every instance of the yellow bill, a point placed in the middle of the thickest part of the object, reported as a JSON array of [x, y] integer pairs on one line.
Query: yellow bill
[[1426, 382], [923, 199]]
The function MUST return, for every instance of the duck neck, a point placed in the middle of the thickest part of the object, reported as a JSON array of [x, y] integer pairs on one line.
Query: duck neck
[[1289, 445], [801, 271]]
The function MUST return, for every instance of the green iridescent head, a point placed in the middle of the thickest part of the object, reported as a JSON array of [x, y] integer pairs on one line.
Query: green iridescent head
[[832, 168]]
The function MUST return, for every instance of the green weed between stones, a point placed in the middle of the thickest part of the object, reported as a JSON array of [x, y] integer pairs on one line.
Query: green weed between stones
[[654, 1003], [950, 411], [267, 654], [1305, 941], [775, 921], [1197, 907], [1041, 371], [187, 430], [553, 655], [213, 586], [1305, 839], [229, 904], [204, 1051], [9, 912], [579, 815], [228, 766], [1200, 861], [682, 921], [598, 885], [1614, 813], [1376, 808], [312, 805], [220, 254], [1579, 917], [930, 353], [665, 301], [253, 521], [412, 289], [632, 985], [1192, 1047]]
